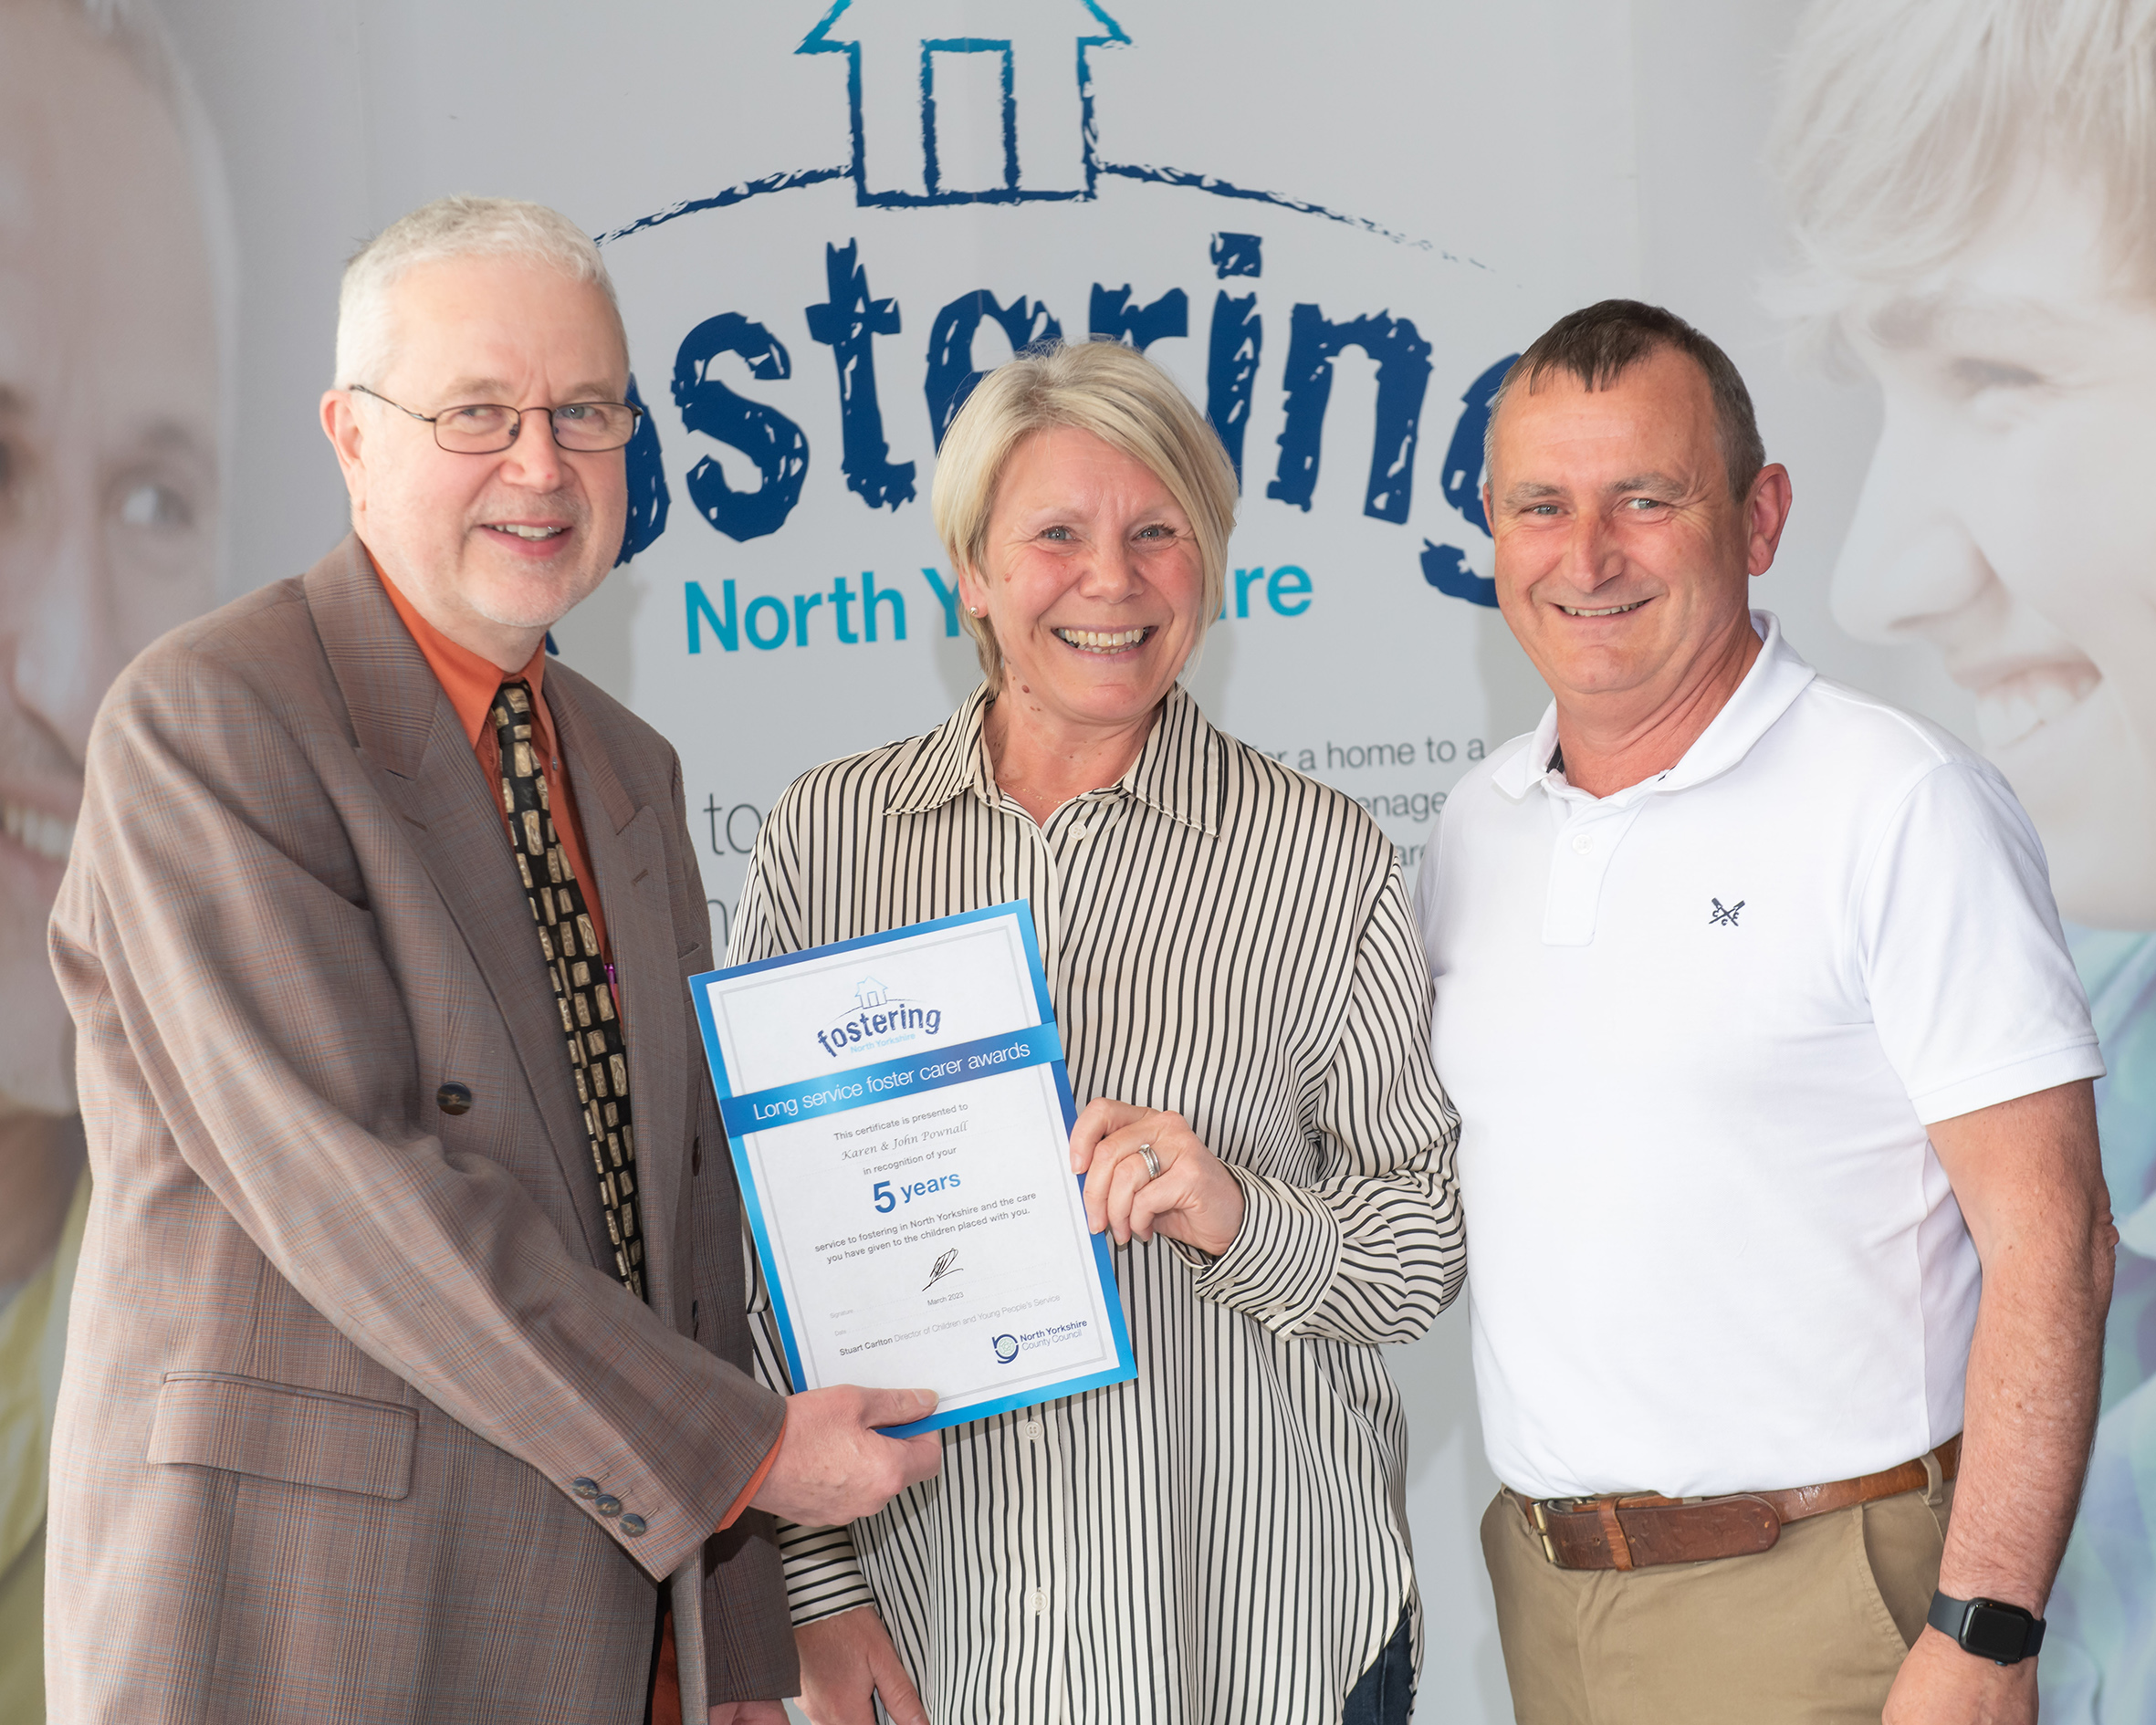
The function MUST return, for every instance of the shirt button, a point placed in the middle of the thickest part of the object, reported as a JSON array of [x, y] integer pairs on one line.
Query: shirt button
[[585, 1489], [631, 1526], [1030, 1431], [453, 1099], [608, 1505], [1583, 842], [1036, 1601]]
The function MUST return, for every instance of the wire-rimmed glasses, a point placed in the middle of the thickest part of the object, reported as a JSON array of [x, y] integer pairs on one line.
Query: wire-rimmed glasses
[[486, 428]]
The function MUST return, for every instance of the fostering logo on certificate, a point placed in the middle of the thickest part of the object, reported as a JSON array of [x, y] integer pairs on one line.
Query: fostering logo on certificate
[[879, 1020], [905, 1165]]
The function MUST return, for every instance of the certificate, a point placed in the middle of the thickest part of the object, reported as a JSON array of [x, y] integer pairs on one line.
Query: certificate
[[901, 1123]]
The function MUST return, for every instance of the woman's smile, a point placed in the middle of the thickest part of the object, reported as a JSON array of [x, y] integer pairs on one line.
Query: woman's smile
[[1105, 641]]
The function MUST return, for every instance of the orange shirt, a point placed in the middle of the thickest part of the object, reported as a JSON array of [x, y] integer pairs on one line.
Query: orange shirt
[[470, 680]]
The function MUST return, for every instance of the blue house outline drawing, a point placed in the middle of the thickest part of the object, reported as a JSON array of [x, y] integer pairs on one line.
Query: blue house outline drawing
[[913, 106], [825, 40], [868, 992]]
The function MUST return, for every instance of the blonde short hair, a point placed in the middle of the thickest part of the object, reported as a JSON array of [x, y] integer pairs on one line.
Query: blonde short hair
[[1120, 397], [452, 228]]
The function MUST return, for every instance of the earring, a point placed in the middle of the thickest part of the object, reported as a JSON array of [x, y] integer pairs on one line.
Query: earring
[[974, 608]]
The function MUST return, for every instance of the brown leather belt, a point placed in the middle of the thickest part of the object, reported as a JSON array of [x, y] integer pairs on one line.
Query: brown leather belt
[[1637, 1530]]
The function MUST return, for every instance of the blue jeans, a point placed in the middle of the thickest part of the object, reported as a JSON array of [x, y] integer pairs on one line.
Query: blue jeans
[[1385, 1694]]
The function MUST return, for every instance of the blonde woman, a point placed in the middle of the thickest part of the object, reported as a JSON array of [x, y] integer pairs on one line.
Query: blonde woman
[[1241, 996]]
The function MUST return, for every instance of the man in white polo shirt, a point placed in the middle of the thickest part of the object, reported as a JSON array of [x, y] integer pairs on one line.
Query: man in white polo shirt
[[1777, 1142]]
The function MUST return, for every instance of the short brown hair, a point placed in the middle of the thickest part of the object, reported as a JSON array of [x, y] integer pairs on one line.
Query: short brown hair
[[1600, 343]]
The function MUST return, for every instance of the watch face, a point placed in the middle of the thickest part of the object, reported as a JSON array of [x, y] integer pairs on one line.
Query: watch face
[[1996, 1632]]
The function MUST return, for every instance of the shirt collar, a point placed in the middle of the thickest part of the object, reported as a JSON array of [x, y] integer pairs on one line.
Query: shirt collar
[[1530, 766], [949, 759], [1179, 771], [469, 679], [1774, 681]]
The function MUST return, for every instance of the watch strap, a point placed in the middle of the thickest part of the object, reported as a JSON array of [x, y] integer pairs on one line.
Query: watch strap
[[1955, 1617]]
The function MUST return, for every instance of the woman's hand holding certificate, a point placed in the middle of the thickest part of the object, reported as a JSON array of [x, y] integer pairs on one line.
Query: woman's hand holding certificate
[[900, 1121], [1148, 1171]]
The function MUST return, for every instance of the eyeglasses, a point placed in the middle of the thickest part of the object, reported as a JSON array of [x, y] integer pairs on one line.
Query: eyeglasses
[[486, 428]]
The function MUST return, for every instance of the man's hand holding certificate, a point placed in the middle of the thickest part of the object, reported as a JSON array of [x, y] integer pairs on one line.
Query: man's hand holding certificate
[[901, 1123]]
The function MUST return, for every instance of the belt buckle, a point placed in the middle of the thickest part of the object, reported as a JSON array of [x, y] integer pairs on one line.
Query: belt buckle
[[1604, 1507]]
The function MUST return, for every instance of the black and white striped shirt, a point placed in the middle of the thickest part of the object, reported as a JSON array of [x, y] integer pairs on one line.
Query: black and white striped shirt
[[1224, 1538]]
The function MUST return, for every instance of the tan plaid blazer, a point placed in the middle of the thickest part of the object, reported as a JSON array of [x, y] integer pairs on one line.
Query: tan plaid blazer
[[335, 1355]]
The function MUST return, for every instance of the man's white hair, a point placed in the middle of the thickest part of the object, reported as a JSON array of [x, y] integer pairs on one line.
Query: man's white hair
[[451, 227]]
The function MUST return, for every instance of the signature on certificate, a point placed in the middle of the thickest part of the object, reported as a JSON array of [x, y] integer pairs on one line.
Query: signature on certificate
[[944, 1266]]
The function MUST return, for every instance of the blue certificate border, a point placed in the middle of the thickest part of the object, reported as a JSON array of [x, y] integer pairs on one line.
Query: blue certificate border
[[1021, 912]]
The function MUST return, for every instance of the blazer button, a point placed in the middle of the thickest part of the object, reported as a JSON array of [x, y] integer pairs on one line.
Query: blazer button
[[585, 1489], [607, 1506], [453, 1099], [631, 1526]]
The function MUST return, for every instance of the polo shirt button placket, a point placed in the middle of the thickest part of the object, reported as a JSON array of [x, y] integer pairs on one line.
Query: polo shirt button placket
[[1585, 847]]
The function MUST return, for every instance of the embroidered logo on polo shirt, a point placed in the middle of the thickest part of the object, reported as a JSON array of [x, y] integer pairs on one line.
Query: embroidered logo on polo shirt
[[1724, 915]]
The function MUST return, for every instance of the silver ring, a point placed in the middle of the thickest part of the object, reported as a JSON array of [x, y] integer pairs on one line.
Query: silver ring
[[1151, 1161]]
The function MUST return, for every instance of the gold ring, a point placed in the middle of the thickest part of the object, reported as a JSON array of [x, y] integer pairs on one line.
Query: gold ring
[[1151, 1161]]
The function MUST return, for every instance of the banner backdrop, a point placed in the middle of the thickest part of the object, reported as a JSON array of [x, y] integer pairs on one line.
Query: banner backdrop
[[1334, 226]]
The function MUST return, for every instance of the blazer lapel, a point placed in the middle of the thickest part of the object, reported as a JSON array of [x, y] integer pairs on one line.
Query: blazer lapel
[[421, 761], [625, 844]]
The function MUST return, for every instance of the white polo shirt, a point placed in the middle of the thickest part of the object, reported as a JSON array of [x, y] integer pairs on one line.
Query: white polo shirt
[[1695, 1031]]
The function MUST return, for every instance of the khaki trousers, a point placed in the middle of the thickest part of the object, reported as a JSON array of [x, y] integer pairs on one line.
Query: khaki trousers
[[1811, 1631]]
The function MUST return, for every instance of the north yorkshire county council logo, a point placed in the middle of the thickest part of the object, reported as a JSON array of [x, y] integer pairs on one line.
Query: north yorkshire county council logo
[[1006, 1348], [879, 1020], [939, 117]]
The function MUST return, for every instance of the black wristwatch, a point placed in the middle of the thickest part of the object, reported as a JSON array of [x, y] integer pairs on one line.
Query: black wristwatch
[[2005, 1634]]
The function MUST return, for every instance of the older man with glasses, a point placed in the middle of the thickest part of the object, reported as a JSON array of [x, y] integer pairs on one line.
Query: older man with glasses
[[407, 1378]]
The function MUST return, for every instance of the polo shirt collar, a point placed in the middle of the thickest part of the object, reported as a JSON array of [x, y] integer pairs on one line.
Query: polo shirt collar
[[1178, 773], [1774, 681], [1530, 766], [1777, 678]]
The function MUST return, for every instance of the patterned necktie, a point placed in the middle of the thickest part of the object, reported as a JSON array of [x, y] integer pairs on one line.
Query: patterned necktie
[[582, 989]]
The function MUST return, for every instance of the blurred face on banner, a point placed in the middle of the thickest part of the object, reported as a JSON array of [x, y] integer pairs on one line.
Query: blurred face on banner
[[2005, 521], [108, 459]]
